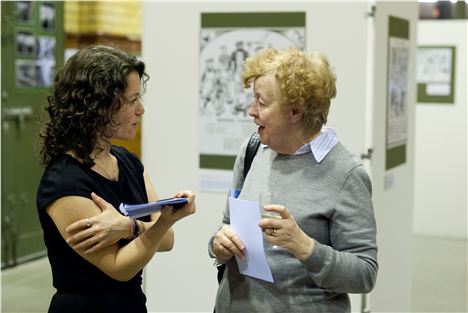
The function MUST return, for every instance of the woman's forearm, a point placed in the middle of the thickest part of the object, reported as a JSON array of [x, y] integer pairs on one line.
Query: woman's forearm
[[117, 261], [131, 258], [168, 241]]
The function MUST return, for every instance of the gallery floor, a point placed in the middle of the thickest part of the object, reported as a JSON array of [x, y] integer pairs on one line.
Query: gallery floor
[[439, 279]]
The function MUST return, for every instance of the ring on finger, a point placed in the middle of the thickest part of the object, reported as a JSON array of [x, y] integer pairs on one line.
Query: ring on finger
[[273, 232], [88, 223]]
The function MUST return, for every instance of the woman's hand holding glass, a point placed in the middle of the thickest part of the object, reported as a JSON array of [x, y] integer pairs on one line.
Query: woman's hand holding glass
[[265, 200], [286, 233], [226, 244]]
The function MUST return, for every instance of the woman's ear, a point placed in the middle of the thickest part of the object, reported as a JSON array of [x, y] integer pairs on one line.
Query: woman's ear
[[295, 115]]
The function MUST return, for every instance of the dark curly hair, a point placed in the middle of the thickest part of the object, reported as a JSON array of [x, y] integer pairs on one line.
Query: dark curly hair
[[85, 95]]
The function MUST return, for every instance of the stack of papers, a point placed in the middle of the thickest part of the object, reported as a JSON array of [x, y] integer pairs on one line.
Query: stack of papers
[[139, 210]]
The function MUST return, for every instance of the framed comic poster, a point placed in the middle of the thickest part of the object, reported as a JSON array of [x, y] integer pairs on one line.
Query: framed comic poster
[[226, 40], [435, 74], [397, 92]]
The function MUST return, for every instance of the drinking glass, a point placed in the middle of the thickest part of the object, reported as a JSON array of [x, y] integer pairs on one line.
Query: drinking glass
[[268, 198]]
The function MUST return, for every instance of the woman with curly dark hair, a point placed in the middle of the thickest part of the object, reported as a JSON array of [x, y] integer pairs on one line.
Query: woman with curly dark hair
[[96, 254]]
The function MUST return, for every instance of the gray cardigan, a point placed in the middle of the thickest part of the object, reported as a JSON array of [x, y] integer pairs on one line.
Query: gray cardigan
[[331, 202]]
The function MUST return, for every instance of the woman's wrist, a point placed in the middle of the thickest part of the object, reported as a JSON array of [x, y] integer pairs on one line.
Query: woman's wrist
[[159, 228], [305, 248], [139, 228], [165, 222], [132, 229], [136, 228]]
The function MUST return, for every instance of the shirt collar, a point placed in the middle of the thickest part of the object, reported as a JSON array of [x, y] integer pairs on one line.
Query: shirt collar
[[320, 145]]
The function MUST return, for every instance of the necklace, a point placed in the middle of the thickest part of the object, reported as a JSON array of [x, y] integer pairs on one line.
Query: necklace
[[113, 175]]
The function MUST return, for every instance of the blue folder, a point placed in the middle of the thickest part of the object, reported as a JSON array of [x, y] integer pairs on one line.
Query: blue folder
[[139, 210]]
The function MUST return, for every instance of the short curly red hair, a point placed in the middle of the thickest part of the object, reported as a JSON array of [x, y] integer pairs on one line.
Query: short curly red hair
[[306, 81]]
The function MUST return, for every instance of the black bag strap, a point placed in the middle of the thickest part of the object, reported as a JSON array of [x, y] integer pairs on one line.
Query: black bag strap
[[250, 153]]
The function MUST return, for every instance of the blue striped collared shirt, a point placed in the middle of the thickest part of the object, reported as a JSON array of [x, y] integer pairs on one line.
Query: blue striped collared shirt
[[321, 145]]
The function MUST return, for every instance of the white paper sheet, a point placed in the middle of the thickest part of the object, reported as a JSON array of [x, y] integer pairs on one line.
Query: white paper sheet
[[245, 216]]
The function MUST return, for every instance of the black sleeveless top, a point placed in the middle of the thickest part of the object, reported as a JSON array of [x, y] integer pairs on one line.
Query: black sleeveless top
[[71, 273]]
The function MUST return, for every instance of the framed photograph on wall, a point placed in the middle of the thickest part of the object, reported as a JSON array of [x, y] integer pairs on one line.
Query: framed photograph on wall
[[25, 43], [24, 11], [47, 17], [25, 73], [45, 61], [435, 74]]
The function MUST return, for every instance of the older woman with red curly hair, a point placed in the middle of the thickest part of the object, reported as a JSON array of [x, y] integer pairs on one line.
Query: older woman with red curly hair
[[327, 233]]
